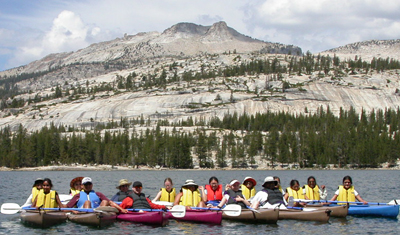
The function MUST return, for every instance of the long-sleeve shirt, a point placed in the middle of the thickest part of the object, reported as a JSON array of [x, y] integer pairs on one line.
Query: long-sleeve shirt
[[128, 202]]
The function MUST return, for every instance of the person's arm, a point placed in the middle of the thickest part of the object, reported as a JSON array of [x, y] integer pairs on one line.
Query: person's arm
[[204, 194], [102, 196], [178, 198], [286, 196], [34, 202], [126, 203], [73, 201], [122, 210], [323, 194], [155, 206], [60, 205], [240, 199], [158, 196], [359, 198], [305, 194]]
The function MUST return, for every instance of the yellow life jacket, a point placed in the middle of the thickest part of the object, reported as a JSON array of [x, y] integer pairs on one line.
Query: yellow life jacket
[[190, 198], [295, 194], [247, 193], [346, 195], [280, 189], [167, 196], [74, 191], [312, 193], [35, 192], [47, 200]]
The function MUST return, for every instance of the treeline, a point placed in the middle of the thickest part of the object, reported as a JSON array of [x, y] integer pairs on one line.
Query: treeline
[[358, 140]]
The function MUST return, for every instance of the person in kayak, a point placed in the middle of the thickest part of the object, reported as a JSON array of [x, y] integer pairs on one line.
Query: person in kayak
[[75, 186], [312, 191], [234, 196], [47, 198], [270, 196], [347, 193], [278, 186], [190, 195], [295, 191], [212, 194], [37, 186], [249, 187], [123, 192], [137, 200], [168, 193]]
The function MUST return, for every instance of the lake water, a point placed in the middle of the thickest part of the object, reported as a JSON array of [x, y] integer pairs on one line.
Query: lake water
[[373, 186]]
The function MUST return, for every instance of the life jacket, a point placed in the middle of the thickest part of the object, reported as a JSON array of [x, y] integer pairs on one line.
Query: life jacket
[[312, 193], [46, 200], [35, 192], [295, 194], [280, 189], [167, 196], [190, 198], [214, 195], [274, 196], [139, 201], [73, 191], [232, 195], [346, 195], [248, 193], [123, 195], [92, 197]]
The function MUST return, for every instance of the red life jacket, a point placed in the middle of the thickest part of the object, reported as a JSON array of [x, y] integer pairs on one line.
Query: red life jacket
[[214, 195]]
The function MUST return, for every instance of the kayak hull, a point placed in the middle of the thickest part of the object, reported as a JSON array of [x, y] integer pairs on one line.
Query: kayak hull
[[264, 216], [96, 219], [155, 217], [391, 211], [43, 219], [200, 216], [339, 211], [315, 215]]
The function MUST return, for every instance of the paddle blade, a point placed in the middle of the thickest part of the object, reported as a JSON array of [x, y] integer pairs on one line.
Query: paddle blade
[[10, 208], [392, 202], [178, 211], [232, 210]]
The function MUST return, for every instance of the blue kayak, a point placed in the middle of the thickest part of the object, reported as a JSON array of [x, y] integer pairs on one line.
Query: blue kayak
[[374, 210]]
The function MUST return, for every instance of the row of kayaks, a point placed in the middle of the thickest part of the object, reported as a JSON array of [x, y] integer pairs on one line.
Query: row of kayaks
[[316, 213]]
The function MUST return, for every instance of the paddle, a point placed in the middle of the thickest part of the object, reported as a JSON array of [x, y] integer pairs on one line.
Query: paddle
[[176, 211], [231, 209], [12, 208], [393, 202]]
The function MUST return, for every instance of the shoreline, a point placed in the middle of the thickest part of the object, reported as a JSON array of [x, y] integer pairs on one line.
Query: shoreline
[[145, 168]]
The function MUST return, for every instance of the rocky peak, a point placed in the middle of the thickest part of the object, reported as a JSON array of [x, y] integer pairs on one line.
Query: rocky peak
[[189, 29]]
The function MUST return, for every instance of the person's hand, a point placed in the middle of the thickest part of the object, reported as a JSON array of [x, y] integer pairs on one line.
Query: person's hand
[[123, 211], [323, 186], [169, 207], [201, 188]]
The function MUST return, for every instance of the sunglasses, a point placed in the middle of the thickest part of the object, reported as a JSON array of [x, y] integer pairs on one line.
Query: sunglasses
[[138, 187]]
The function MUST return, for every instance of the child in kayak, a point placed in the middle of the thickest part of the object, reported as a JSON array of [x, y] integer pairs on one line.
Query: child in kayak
[[347, 193], [47, 198], [212, 194], [166, 194], [234, 196]]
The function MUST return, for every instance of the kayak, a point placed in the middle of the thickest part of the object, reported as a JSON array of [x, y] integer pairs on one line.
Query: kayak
[[391, 211], [200, 216], [97, 219], [340, 211], [156, 218], [265, 216], [43, 219], [307, 215]]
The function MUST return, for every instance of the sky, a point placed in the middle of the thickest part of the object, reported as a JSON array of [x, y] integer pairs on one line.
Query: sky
[[32, 29]]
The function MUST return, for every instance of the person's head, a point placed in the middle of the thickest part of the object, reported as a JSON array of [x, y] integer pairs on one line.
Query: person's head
[[38, 183], [137, 187], [295, 185], [269, 182], [87, 184], [278, 180], [168, 184], [213, 182], [311, 182], [191, 185], [347, 182], [47, 185], [249, 182], [76, 183], [123, 185], [234, 184]]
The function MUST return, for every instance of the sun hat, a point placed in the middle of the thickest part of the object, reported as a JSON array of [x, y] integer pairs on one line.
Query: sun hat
[[189, 183], [234, 182], [74, 180], [86, 180], [137, 184], [270, 179], [123, 182], [248, 178]]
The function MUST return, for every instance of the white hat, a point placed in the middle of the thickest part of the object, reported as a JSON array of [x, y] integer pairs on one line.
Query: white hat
[[269, 179], [86, 180], [234, 182], [189, 183]]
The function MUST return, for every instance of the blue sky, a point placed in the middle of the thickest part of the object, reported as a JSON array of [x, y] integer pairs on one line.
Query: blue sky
[[32, 29]]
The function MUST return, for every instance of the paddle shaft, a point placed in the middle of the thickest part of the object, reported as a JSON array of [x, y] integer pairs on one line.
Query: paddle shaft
[[326, 201]]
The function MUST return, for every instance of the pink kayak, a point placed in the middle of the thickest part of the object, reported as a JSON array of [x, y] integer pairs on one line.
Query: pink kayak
[[154, 217], [200, 216]]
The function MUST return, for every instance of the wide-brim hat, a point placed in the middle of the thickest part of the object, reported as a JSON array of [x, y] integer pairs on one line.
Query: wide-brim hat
[[270, 179], [123, 182], [190, 183], [248, 178], [71, 184]]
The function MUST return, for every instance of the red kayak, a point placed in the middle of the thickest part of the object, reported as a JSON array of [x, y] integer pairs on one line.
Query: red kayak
[[200, 216], [154, 217]]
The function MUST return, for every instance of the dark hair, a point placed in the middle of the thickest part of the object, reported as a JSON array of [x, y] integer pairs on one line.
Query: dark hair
[[213, 178], [277, 178], [48, 181], [311, 177], [168, 179], [293, 182], [347, 177]]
